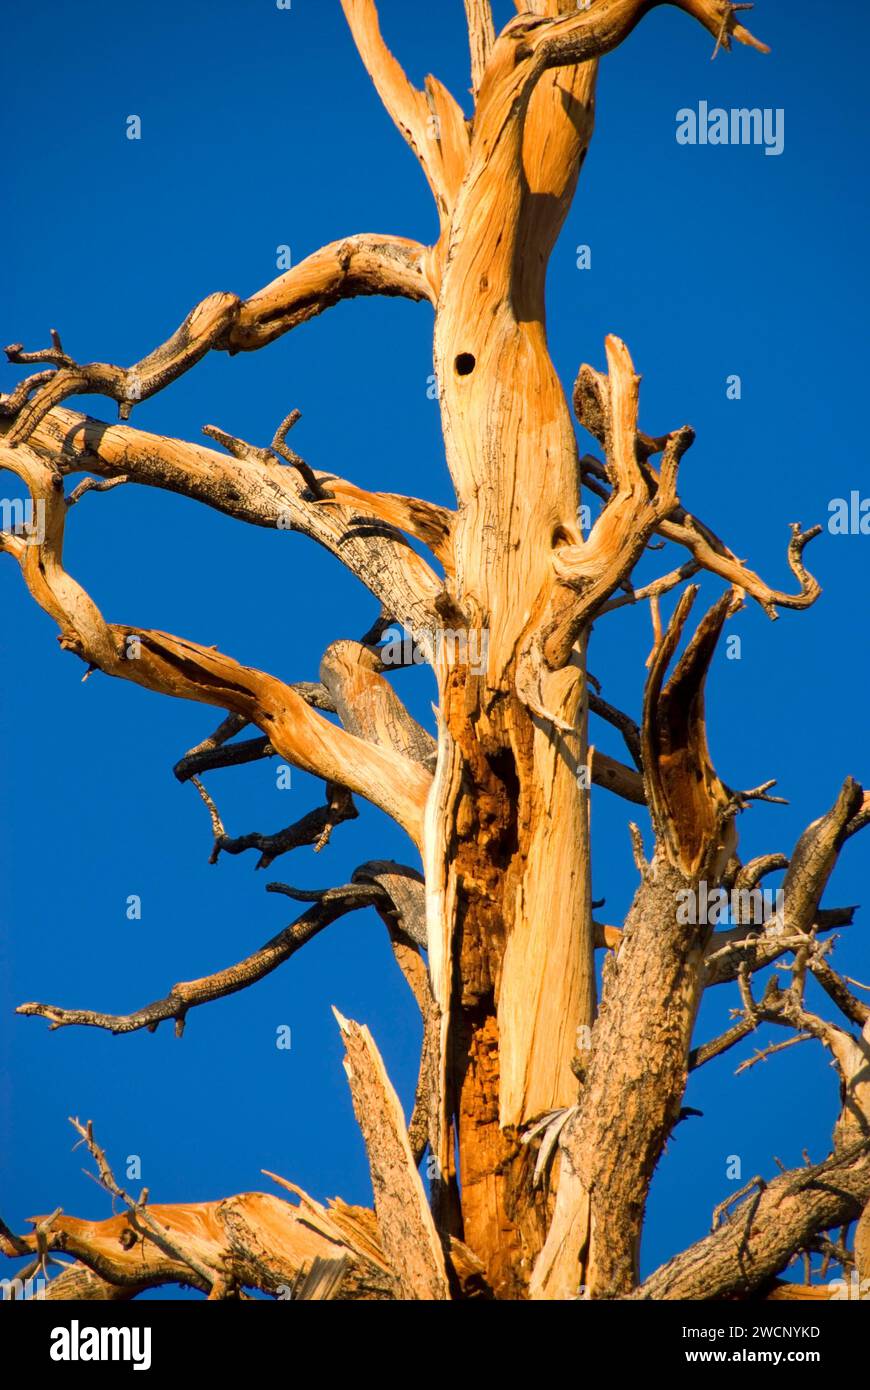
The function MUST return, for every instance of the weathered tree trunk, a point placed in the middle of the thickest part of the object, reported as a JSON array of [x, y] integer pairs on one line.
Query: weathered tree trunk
[[518, 1055], [507, 864]]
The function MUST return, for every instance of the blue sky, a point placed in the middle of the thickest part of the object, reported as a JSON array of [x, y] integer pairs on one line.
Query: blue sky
[[259, 129]]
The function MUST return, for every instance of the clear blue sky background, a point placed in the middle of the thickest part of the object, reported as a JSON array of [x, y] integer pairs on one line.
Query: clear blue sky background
[[260, 127]]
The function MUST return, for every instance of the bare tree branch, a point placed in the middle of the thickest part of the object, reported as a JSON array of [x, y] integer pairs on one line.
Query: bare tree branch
[[163, 663], [139, 1216], [314, 828], [709, 555], [481, 37], [250, 490], [708, 551], [594, 32], [363, 264], [367, 704], [254, 1240], [623, 722], [616, 777], [431, 121], [746, 1252], [690, 806], [190, 994]]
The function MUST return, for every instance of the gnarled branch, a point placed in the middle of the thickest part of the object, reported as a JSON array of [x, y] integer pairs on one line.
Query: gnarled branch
[[363, 264], [248, 489], [253, 1240], [190, 994], [169, 665], [746, 1252]]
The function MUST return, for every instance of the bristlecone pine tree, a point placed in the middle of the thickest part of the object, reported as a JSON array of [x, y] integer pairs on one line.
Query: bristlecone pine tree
[[543, 1102]]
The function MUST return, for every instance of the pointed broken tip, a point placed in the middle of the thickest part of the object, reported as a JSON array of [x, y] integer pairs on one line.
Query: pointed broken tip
[[343, 1023], [616, 345], [742, 35]]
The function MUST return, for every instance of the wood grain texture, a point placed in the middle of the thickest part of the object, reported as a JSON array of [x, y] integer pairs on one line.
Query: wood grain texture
[[541, 1111], [405, 1221]]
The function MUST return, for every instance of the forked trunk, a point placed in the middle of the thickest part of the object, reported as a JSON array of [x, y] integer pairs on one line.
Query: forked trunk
[[506, 850]]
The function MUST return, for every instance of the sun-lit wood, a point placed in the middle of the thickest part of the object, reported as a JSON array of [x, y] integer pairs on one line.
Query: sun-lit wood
[[541, 1110]]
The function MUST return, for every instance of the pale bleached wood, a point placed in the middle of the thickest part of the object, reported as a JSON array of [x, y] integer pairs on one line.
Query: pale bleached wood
[[512, 454], [503, 826], [429, 523], [481, 37], [407, 1230], [405, 920], [431, 121], [632, 1092], [363, 264], [577, 36], [249, 489], [369, 706], [173, 666], [254, 1239]]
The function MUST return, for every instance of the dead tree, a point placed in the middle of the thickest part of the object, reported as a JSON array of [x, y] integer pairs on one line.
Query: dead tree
[[557, 1104]]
